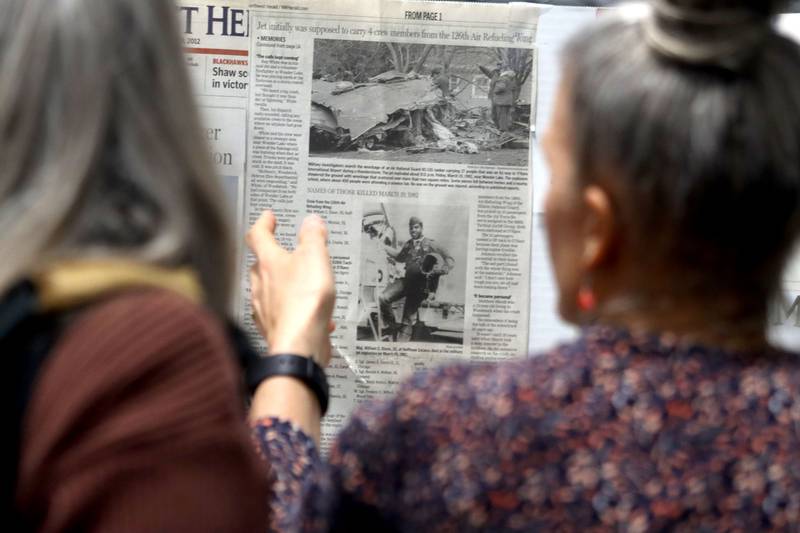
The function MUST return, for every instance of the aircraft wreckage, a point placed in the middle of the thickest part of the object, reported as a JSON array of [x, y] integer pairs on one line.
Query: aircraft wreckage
[[394, 112]]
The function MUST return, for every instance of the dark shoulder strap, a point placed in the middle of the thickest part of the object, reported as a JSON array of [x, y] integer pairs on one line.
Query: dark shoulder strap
[[247, 356], [26, 337]]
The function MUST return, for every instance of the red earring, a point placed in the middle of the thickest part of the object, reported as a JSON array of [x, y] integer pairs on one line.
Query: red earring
[[586, 299]]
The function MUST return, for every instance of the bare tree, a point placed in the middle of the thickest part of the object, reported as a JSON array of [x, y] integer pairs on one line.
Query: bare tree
[[407, 57], [361, 59], [519, 60]]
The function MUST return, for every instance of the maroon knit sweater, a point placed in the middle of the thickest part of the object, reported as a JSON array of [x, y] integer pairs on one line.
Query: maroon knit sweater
[[136, 424]]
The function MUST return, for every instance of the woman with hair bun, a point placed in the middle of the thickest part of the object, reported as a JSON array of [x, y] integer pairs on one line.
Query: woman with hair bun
[[674, 204]]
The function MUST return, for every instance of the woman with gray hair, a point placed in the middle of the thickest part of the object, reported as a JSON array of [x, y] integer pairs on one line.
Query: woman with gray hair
[[116, 276], [674, 204]]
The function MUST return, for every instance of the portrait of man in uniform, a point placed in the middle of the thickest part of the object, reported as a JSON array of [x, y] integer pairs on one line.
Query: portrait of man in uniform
[[413, 282], [425, 261]]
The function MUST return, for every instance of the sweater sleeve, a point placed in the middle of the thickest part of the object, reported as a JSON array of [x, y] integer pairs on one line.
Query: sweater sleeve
[[136, 424], [361, 487], [312, 495]]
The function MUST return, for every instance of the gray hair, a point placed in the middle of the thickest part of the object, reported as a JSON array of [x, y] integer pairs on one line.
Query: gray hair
[[703, 150], [101, 145]]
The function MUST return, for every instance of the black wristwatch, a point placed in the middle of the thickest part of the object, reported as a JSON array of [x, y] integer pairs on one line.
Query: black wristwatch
[[296, 366]]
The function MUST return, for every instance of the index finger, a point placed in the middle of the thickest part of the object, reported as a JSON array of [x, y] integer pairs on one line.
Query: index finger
[[261, 237], [313, 231]]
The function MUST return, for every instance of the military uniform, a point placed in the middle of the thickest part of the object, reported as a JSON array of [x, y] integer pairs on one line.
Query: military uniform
[[442, 81], [415, 286], [503, 95]]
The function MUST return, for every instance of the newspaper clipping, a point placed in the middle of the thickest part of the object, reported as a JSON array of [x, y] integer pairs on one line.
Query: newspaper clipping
[[217, 47], [407, 127]]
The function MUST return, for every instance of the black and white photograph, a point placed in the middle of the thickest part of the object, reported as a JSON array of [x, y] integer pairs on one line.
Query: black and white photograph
[[421, 102], [413, 273]]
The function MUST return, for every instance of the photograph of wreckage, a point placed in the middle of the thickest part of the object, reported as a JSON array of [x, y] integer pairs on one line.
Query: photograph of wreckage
[[414, 102]]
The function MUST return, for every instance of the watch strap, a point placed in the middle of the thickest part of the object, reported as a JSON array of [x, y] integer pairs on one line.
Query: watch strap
[[299, 367]]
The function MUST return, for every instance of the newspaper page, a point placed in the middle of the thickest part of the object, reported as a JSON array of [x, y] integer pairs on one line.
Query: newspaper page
[[216, 42], [556, 25], [406, 125], [785, 310]]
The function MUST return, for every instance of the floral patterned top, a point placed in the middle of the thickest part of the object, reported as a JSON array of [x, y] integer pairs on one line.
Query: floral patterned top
[[614, 432]]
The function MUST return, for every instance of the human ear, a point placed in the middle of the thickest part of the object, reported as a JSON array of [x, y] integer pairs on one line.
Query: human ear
[[599, 227]]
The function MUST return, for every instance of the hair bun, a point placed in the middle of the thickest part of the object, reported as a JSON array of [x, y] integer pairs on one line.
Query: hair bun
[[721, 33]]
